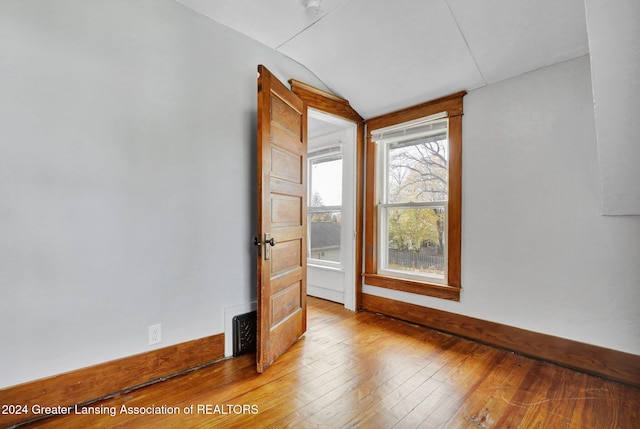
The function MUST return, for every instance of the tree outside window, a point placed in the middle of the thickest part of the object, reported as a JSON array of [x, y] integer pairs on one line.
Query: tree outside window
[[413, 211]]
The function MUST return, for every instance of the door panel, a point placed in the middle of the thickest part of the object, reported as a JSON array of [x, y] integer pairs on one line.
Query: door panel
[[286, 210], [286, 257], [282, 202], [285, 165], [286, 302]]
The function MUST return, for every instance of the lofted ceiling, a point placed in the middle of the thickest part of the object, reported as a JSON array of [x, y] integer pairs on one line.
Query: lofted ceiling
[[383, 55]]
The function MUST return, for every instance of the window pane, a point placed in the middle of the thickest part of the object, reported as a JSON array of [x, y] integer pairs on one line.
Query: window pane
[[416, 240], [417, 170], [326, 182], [324, 234], [325, 208]]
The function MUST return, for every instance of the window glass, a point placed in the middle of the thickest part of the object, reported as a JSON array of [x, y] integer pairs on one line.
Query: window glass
[[325, 207], [413, 207], [417, 170], [415, 240], [326, 181]]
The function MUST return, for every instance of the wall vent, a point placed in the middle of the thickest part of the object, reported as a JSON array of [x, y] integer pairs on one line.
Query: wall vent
[[245, 330]]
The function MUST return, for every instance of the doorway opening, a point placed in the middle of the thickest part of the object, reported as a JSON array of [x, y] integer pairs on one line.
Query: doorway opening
[[331, 211]]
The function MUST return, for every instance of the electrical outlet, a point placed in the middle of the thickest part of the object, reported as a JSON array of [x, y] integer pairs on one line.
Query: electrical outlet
[[155, 334]]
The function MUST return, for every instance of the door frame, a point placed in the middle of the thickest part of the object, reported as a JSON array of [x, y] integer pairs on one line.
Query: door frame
[[334, 280], [332, 104]]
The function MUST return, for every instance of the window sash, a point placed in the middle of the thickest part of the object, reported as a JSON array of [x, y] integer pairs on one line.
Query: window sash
[[435, 126], [316, 261], [383, 243], [385, 147], [320, 156]]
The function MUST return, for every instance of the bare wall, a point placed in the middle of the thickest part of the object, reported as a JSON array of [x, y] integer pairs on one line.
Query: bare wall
[[127, 169], [614, 44]]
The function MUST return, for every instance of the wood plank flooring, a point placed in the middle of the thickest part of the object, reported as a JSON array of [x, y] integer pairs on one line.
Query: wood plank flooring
[[368, 371]]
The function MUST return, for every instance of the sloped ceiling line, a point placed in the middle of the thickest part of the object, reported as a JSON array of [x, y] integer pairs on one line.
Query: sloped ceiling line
[[320, 18], [383, 55], [466, 42]]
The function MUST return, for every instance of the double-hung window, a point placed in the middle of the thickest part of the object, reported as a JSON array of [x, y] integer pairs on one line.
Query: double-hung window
[[414, 199], [413, 166]]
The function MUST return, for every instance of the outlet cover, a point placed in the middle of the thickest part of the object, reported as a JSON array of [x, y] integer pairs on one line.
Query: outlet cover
[[155, 334]]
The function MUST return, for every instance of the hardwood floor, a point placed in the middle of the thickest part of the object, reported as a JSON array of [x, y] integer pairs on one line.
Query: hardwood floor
[[365, 370]]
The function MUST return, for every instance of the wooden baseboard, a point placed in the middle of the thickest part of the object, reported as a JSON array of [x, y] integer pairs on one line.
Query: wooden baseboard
[[99, 381], [611, 364]]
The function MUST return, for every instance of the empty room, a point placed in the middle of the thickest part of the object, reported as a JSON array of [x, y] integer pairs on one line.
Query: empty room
[[319, 213]]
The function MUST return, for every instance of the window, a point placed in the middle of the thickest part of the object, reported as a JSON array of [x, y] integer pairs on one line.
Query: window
[[325, 205], [413, 167], [414, 199]]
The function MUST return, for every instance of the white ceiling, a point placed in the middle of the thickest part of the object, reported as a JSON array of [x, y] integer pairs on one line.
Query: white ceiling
[[383, 55]]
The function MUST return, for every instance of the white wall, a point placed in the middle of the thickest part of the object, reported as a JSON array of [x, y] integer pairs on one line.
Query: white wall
[[127, 196], [614, 46], [536, 253]]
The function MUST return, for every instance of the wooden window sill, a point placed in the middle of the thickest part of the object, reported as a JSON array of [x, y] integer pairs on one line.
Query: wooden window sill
[[428, 289]]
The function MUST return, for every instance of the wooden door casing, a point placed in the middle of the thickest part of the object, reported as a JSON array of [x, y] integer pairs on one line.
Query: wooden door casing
[[337, 106]]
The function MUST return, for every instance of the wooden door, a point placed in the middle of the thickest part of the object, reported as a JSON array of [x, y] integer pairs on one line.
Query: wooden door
[[282, 219]]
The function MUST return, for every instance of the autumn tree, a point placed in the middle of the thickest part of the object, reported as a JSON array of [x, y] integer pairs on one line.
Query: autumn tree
[[417, 173]]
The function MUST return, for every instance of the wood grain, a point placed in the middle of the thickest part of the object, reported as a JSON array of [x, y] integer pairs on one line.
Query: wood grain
[[420, 288], [369, 371], [616, 365], [88, 384], [282, 206], [454, 246], [452, 104], [324, 101]]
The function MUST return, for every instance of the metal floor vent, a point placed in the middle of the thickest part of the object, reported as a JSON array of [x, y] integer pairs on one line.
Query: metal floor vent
[[245, 329]]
